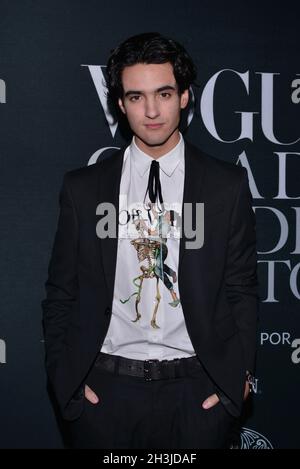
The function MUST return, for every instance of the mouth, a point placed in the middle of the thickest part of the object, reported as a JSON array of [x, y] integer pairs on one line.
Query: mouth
[[153, 126]]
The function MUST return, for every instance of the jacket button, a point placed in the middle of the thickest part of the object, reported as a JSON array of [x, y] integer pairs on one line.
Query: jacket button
[[107, 311]]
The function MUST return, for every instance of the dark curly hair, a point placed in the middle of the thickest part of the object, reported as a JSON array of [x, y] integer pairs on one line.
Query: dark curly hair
[[148, 48]]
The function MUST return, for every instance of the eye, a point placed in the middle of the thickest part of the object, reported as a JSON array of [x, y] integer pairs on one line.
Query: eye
[[134, 98], [165, 95]]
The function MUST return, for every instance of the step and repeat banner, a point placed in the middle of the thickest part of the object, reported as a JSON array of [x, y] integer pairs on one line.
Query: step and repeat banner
[[54, 117]]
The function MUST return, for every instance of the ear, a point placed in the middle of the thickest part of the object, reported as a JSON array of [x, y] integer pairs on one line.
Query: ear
[[121, 106], [184, 99]]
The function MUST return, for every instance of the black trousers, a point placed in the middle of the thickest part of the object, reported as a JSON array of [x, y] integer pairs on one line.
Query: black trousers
[[168, 414]]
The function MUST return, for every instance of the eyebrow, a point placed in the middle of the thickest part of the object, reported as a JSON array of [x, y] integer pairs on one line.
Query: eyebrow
[[162, 88]]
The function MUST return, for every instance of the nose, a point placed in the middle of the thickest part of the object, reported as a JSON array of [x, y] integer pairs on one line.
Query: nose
[[151, 108]]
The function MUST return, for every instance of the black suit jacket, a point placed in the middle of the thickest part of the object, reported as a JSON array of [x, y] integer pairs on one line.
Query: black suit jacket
[[217, 283]]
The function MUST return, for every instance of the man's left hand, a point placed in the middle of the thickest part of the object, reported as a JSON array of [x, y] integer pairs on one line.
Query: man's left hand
[[212, 400]]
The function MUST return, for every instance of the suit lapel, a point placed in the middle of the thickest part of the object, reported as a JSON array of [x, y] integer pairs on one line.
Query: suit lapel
[[194, 174], [110, 171]]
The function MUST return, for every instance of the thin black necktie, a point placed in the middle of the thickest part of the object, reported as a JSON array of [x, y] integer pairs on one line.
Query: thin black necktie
[[154, 187]]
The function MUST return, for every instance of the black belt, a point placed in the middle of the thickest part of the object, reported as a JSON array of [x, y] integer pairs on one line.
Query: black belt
[[148, 369]]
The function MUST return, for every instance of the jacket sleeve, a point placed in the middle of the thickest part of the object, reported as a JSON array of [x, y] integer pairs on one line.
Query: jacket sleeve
[[241, 271], [62, 283]]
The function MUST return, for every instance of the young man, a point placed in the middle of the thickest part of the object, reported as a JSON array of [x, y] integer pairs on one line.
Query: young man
[[149, 337]]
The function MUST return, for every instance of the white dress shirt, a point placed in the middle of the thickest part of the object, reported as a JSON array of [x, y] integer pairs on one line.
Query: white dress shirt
[[147, 262]]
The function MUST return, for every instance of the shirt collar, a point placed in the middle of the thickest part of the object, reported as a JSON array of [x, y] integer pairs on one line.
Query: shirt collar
[[168, 162]]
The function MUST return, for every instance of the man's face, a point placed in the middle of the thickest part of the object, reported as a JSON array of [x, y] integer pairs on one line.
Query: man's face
[[152, 105]]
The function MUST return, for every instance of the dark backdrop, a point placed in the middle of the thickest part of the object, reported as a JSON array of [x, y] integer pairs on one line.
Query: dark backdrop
[[246, 110]]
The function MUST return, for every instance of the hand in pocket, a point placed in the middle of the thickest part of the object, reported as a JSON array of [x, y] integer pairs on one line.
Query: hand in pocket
[[211, 401], [90, 395]]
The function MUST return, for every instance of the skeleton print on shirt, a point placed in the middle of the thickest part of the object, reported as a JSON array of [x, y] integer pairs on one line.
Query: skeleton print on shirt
[[151, 228]]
